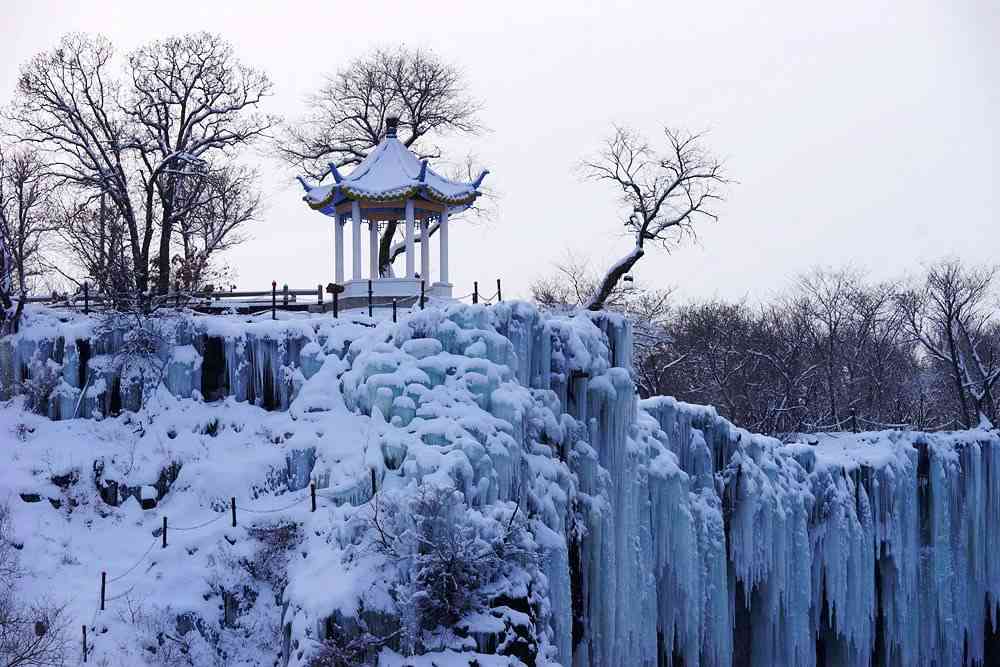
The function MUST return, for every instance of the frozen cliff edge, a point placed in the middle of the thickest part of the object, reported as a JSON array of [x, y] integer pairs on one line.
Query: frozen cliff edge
[[653, 530]]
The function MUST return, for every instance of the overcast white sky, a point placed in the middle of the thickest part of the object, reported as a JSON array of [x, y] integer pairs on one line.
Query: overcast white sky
[[859, 131]]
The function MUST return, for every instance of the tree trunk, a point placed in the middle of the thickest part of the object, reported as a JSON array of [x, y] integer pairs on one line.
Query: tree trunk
[[614, 274], [385, 248], [166, 231], [956, 369]]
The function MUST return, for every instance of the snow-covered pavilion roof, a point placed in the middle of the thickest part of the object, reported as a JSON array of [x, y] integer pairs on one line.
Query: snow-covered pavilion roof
[[391, 172]]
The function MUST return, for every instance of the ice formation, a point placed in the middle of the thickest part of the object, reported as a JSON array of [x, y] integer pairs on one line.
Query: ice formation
[[663, 532]]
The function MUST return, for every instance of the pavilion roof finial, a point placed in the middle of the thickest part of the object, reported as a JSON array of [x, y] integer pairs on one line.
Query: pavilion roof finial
[[337, 178], [479, 181], [391, 123]]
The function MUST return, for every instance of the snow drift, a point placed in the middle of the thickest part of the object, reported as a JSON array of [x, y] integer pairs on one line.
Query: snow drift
[[631, 532]]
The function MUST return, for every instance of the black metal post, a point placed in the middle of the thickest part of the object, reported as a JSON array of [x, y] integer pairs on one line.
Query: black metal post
[[312, 493], [104, 587], [284, 295], [319, 296], [373, 481], [336, 305], [232, 504], [370, 310], [499, 295], [86, 298], [164, 533], [393, 310], [85, 643], [422, 285], [475, 292], [854, 420], [274, 299]]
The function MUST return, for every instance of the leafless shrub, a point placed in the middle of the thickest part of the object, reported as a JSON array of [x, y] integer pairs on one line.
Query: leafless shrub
[[38, 387], [32, 633], [445, 555]]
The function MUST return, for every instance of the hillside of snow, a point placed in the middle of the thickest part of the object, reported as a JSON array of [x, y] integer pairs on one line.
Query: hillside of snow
[[489, 491]]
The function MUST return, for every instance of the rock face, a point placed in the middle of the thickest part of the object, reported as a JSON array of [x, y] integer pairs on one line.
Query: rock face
[[663, 533]]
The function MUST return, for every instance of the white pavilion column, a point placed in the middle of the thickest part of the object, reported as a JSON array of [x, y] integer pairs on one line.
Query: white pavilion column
[[443, 235], [425, 253], [373, 249], [338, 250], [356, 240], [409, 239]]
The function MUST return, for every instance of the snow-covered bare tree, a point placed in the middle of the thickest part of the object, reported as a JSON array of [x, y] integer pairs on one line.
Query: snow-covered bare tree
[[142, 137], [834, 352], [32, 633], [829, 296], [573, 283], [346, 118], [950, 315], [26, 225], [95, 238], [227, 200], [347, 115], [663, 194]]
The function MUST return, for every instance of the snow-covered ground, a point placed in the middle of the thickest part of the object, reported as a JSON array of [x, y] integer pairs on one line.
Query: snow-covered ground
[[632, 529]]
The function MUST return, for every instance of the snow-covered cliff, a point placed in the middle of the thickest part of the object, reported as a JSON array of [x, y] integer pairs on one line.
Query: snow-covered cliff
[[629, 532]]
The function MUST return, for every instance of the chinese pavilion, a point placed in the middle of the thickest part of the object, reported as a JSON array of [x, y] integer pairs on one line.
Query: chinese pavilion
[[392, 184]]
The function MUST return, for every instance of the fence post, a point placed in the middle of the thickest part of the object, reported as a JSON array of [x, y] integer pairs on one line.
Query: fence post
[[232, 504], [319, 296], [274, 299], [164, 533], [336, 304], [475, 292], [373, 481], [86, 298], [393, 310], [370, 311], [284, 295], [104, 587], [422, 285], [85, 643], [854, 420], [177, 294], [499, 294], [312, 494]]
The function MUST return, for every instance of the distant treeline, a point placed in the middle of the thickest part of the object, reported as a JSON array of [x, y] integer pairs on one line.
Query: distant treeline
[[834, 352]]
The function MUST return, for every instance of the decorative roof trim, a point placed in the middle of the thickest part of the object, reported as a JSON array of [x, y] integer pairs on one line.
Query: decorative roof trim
[[405, 193]]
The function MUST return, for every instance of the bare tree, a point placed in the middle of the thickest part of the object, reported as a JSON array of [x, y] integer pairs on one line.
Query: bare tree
[[573, 283], [663, 194], [829, 295], [836, 351], [227, 201], [347, 118], [190, 98], [144, 140], [95, 238], [31, 634], [949, 316], [26, 222]]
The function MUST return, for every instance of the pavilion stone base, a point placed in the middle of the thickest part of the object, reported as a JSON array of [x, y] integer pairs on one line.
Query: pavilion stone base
[[404, 291], [393, 288]]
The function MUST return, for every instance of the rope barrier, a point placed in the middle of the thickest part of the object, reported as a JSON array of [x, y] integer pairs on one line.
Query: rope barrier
[[141, 558], [200, 525], [120, 595], [884, 424], [277, 509]]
